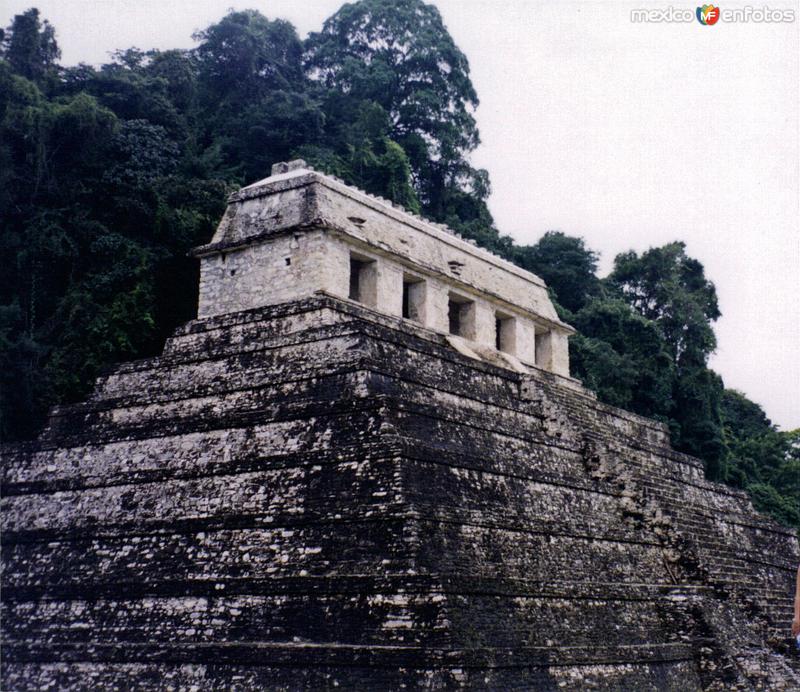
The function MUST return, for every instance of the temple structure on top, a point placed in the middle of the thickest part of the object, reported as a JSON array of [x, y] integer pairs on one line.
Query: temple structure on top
[[300, 233]]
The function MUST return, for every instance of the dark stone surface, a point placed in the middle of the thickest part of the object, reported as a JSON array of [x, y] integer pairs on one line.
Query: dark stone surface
[[313, 496]]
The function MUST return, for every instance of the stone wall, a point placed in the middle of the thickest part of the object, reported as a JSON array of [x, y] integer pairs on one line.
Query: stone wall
[[313, 495], [294, 234], [290, 266]]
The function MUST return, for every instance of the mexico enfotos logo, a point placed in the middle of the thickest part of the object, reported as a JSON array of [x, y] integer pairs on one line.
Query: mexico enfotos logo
[[709, 15]]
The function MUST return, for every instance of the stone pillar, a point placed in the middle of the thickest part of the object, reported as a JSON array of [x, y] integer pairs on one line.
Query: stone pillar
[[526, 341], [560, 354], [544, 349], [506, 336], [389, 288], [483, 324], [552, 352], [436, 307]]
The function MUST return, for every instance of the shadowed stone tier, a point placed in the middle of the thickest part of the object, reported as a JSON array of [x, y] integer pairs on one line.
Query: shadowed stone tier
[[314, 495]]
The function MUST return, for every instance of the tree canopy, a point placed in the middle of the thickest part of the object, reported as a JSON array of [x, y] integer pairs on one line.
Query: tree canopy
[[30, 46], [398, 60], [400, 57], [109, 175]]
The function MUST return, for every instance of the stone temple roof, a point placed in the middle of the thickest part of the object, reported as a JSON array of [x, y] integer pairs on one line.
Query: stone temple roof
[[269, 206], [298, 172]]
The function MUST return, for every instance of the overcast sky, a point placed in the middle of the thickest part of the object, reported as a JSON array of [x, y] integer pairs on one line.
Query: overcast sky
[[628, 134]]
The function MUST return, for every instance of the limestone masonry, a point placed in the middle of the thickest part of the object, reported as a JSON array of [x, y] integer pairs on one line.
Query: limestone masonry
[[299, 232], [365, 466]]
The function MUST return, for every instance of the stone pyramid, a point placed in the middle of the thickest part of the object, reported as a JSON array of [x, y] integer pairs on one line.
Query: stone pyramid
[[314, 493]]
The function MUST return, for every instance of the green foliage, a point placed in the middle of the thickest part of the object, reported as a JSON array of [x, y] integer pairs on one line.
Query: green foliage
[[359, 149], [22, 383], [669, 288], [761, 459], [697, 393], [767, 498], [253, 106], [90, 222], [398, 56], [109, 176], [245, 56], [30, 47], [565, 263], [622, 356]]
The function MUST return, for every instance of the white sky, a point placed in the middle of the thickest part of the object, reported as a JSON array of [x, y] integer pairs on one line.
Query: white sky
[[630, 135]]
